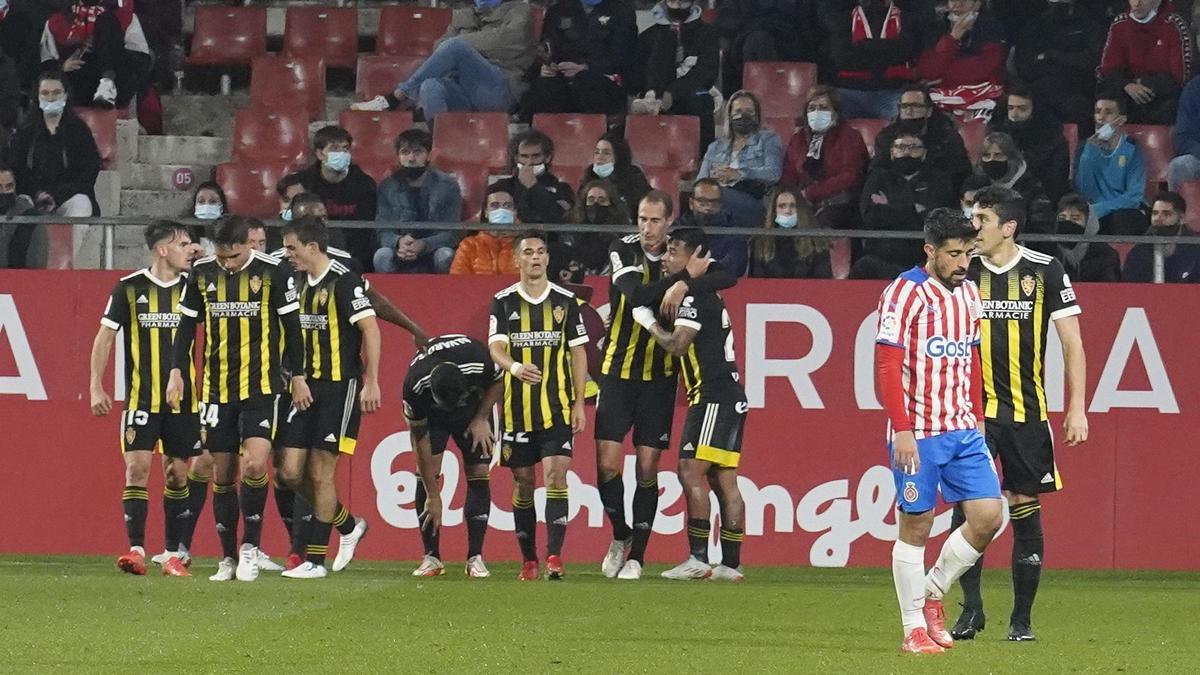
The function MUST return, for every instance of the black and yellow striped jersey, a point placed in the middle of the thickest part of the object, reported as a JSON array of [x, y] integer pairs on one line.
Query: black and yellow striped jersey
[[330, 306], [144, 308], [1019, 302], [630, 352], [472, 359], [538, 331], [708, 367], [243, 332]]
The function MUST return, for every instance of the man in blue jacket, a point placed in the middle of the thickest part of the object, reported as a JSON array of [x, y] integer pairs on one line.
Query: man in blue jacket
[[417, 193], [1112, 171], [706, 212]]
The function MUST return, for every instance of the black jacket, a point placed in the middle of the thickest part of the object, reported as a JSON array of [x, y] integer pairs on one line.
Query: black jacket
[[787, 264], [930, 188], [352, 198], [876, 63], [1045, 148], [1100, 263], [1061, 45], [63, 164], [631, 183], [943, 147], [657, 46], [793, 23], [604, 39], [540, 203]]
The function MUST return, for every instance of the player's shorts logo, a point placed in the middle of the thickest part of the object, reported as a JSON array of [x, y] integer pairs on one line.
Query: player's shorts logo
[[255, 284], [506, 452], [910, 492], [1028, 285], [130, 435], [204, 434]]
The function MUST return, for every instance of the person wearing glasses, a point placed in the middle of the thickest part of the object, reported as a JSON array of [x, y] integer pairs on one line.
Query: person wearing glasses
[[943, 146]]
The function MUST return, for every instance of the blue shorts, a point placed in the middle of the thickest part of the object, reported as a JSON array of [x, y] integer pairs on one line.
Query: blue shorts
[[956, 461]]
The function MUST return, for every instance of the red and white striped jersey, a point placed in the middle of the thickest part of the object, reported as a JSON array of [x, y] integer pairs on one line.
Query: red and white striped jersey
[[937, 328]]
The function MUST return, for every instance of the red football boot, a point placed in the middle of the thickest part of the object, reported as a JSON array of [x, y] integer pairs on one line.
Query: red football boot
[[174, 567], [554, 568], [133, 562], [529, 571], [935, 618], [293, 561], [919, 642]]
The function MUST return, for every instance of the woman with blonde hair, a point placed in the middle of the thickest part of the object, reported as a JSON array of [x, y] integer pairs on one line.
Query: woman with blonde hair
[[789, 257]]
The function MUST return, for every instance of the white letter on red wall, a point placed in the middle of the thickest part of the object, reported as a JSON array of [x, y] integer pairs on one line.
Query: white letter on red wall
[[796, 369], [27, 381]]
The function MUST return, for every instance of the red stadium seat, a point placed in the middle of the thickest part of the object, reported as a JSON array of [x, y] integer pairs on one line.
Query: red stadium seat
[[784, 126], [264, 135], [665, 141], [375, 134], [250, 189], [227, 36], [103, 124], [1155, 143], [539, 17], [665, 179], [378, 168], [282, 82], [379, 75], [868, 128], [839, 258], [60, 245], [708, 15], [330, 33], [973, 132], [471, 138], [472, 182], [782, 86], [571, 175], [411, 31], [574, 136], [1071, 133], [1190, 191]]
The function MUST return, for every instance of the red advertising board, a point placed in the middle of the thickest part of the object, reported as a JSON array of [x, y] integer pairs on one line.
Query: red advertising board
[[814, 470]]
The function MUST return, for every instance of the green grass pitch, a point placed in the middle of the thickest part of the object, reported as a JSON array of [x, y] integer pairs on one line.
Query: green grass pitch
[[80, 614]]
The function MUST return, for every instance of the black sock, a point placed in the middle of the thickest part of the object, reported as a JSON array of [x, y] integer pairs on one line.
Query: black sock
[[254, 502], [698, 529], [302, 519], [175, 512], [225, 513], [198, 489], [557, 507], [343, 520], [136, 502], [645, 507], [318, 542], [1027, 553], [972, 598], [731, 548], [612, 496], [525, 525], [430, 540], [285, 504], [476, 510]]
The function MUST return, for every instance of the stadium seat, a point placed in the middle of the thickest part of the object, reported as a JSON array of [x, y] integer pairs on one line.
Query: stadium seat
[[375, 133], [973, 132], [574, 136], [784, 126], [330, 33], [839, 258], [411, 31], [227, 36], [665, 140], [1190, 191], [868, 128], [250, 189], [103, 124], [264, 135], [379, 75], [571, 175], [471, 138], [1071, 133], [472, 182], [539, 17], [378, 168], [666, 179], [280, 82], [60, 247], [781, 86], [1155, 143], [708, 15]]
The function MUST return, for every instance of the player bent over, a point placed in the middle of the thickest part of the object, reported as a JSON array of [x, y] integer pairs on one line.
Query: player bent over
[[928, 336]]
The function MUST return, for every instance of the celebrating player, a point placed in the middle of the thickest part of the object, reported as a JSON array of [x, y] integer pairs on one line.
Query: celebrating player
[[537, 335], [1022, 292], [449, 392], [712, 432], [928, 334]]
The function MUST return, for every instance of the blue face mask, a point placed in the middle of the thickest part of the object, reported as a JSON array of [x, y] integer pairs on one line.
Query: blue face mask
[[285, 215], [603, 170], [487, 4], [786, 222], [208, 211], [53, 108], [501, 217], [1106, 132], [337, 161]]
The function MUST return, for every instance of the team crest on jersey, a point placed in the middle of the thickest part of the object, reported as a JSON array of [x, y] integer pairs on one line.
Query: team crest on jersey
[[560, 313], [323, 296], [130, 435], [255, 284], [910, 492], [1028, 284]]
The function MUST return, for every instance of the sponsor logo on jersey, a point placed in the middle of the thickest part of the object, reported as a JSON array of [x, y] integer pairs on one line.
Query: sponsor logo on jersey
[[939, 347]]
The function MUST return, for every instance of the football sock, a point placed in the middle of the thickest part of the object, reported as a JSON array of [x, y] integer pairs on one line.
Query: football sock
[[972, 598], [285, 504], [612, 496], [136, 502], [225, 513], [956, 557], [645, 508], [343, 520], [432, 541], [908, 574], [525, 525], [698, 529], [254, 502], [557, 508], [731, 548], [476, 510], [175, 512], [1027, 553], [302, 519], [318, 543], [198, 489]]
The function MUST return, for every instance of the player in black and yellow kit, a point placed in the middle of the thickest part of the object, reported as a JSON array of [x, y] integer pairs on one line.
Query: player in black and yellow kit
[[1022, 291], [242, 298], [537, 335], [339, 378], [143, 307], [710, 449]]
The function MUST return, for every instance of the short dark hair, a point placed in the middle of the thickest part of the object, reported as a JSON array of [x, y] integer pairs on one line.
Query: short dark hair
[[232, 230], [1006, 202], [286, 182], [711, 182], [974, 183], [309, 230], [691, 237], [531, 137], [331, 134], [206, 185], [411, 138], [528, 234], [918, 88], [1074, 201], [659, 197], [1176, 201], [159, 230], [5, 167], [1019, 89], [447, 382], [945, 224], [55, 74], [1117, 97]]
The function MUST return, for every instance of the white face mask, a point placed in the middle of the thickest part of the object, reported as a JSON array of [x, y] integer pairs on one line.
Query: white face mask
[[603, 170], [53, 108], [1148, 18], [337, 161], [208, 211], [786, 222], [820, 120], [1106, 132], [538, 169], [285, 215], [968, 212]]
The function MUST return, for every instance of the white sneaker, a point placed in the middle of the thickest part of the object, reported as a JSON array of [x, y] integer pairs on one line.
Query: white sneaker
[[247, 566], [689, 569], [723, 573], [106, 92], [265, 563], [182, 554], [632, 570], [162, 557], [307, 571], [377, 104], [225, 570], [347, 544], [429, 567], [615, 558], [476, 569]]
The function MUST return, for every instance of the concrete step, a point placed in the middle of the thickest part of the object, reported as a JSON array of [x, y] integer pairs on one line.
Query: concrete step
[[201, 115], [183, 150], [155, 203], [136, 176]]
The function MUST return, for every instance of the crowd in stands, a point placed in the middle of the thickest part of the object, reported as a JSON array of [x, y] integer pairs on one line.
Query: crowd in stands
[[914, 105]]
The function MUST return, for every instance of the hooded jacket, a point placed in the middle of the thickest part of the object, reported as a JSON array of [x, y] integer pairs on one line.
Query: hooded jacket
[[1039, 210], [659, 45], [63, 164], [503, 35], [840, 170], [1159, 52], [1043, 145]]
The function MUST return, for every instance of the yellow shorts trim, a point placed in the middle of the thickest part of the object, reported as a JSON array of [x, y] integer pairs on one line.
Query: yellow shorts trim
[[722, 458]]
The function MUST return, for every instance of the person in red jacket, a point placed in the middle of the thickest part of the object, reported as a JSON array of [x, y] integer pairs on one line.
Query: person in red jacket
[[1148, 54], [964, 69], [826, 161]]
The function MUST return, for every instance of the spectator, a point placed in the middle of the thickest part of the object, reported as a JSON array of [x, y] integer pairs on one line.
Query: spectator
[[287, 188], [348, 192], [874, 45], [583, 58], [789, 257], [943, 146], [1039, 136], [490, 252], [1001, 162], [208, 204], [765, 30], [679, 57], [308, 204], [1181, 263], [826, 162], [417, 193], [479, 64], [896, 196], [1083, 261], [13, 246], [706, 213], [599, 203], [1186, 138], [965, 68], [1111, 173], [1056, 57], [1148, 54], [100, 47], [612, 161], [540, 196], [974, 183], [747, 162]]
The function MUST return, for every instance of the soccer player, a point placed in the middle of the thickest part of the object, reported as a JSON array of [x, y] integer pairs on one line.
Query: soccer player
[[927, 338], [638, 380], [241, 296], [711, 445], [1022, 292], [449, 392], [341, 351], [537, 335], [143, 306]]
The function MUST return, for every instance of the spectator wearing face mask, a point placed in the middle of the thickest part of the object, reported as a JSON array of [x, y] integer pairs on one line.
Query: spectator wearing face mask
[[613, 162], [208, 205], [539, 195], [943, 146], [747, 162], [101, 49], [348, 192], [490, 252], [1001, 162], [14, 238], [789, 257], [599, 203], [1148, 55], [1185, 137], [1039, 137], [1083, 261], [1181, 264], [826, 162], [287, 188], [706, 212], [1111, 173], [974, 183], [1056, 56], [965, 67], [417, 193]]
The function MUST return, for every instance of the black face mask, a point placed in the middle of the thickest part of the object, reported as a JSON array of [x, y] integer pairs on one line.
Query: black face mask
[[7, 201], [916, 126], [1068, 227], [995, 170], [744, 124], [907, 165], [598, 215], [678, 14], [412, 173], [1016, 127]]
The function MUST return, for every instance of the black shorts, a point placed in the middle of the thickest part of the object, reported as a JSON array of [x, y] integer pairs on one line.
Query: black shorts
[[281, 423], [713, 431], [1026, 452], [441, 432], [225, 425], [330, 423], [175, 434], [526, 448], [646, 407]]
